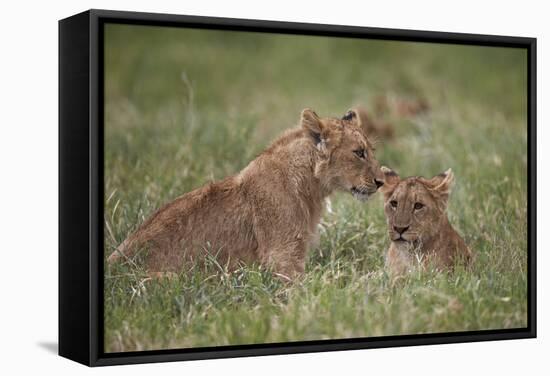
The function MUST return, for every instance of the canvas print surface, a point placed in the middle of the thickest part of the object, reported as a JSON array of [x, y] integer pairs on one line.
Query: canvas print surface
[[267, 188]]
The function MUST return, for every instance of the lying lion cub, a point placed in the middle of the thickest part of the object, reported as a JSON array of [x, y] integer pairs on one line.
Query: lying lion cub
[[269, 212], [419, 230]]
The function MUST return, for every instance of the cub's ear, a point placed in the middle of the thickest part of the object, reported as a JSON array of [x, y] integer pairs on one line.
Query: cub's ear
[[442, 184], [355, 116], [391, 179], [351, 115], [311, 122], [360, 117]]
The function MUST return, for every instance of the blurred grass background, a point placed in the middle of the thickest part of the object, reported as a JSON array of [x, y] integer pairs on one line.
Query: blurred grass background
[[184, 107]]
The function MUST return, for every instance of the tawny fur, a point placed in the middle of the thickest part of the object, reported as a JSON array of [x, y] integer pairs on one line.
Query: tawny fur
[[268, 213], [418, 226]]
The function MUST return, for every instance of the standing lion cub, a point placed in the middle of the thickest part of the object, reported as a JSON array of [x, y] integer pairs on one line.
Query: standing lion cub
[[419, 230], [268, 213]]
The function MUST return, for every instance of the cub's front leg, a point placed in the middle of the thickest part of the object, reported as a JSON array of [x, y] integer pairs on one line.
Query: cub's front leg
[[286, 257], [398, 260]]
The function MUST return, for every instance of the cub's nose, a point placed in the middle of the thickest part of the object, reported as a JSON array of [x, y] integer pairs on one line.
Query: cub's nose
[[400, 230], [378, 183]]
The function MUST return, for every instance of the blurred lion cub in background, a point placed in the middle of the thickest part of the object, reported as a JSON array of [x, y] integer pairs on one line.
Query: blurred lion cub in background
[[418, 226], [269, 212]]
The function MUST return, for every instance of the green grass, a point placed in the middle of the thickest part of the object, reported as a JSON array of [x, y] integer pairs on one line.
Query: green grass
[[185, 107]]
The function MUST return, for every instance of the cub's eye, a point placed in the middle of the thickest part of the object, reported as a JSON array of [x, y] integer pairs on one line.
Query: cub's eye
[[360, 153], [418, 206], [393, 203]]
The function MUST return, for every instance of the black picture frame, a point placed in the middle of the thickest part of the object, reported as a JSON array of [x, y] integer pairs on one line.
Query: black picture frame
[[81, 187]]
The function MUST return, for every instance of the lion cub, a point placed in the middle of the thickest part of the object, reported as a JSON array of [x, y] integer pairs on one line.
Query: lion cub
[[269, 212], [418, 227]]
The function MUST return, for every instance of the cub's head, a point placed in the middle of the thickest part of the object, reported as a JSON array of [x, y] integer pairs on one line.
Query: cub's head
[[345, 155], [415, 206]]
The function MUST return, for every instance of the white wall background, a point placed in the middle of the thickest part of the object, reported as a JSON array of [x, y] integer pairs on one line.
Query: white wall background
[[28, 185]]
